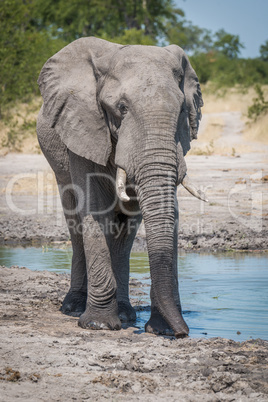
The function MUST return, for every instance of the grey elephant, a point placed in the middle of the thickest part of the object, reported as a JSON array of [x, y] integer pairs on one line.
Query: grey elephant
[[115, 125]]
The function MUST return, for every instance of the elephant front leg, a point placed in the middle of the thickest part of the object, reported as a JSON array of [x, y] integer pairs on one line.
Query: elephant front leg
[[101, 309]]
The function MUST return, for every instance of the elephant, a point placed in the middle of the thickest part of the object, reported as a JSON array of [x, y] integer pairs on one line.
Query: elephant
[[115, 125]]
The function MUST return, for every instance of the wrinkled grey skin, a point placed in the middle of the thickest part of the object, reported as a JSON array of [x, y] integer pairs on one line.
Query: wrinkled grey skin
[[133, 107]]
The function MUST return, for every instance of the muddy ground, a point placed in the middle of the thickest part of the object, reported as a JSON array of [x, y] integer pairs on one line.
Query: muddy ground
[[45, 356]]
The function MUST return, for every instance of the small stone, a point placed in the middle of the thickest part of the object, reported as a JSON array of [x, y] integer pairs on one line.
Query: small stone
[[136, 388]]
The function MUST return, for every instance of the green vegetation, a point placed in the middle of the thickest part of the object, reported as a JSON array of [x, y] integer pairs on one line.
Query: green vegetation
[[264, 51], [224, 72], [33, 30], [23, 49], [259, 106]]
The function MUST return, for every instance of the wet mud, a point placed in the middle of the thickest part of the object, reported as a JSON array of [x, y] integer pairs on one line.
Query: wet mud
[[46, 356]]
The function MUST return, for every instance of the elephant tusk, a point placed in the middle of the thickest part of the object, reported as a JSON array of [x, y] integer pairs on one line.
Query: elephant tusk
[[121, 178], [192, 189]]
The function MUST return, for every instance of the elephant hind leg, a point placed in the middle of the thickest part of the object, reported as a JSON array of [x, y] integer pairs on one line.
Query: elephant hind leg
[[74, 303]]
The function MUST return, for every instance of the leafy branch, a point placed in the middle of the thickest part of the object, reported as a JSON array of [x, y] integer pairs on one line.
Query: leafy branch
[[259, 106]]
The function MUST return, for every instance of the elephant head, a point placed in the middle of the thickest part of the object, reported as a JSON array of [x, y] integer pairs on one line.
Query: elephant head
[[144, 102]]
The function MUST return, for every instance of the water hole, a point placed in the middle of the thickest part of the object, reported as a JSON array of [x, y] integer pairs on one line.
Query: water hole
[[222, 294]]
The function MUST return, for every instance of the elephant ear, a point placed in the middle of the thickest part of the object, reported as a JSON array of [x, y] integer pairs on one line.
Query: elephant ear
[[68, 84], [191, 112]]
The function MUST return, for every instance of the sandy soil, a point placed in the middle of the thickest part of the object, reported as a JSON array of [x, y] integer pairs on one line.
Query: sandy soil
[[231, 170], [45, 356]]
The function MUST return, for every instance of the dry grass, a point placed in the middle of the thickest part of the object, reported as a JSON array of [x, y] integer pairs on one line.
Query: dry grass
[[206, 140], [18, 132], [35, 185], [257, 131], [18, 128], [227, 100], [235, 100]]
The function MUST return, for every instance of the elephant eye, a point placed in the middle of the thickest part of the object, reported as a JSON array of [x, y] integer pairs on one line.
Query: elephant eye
[[123, 108], [178, 75]]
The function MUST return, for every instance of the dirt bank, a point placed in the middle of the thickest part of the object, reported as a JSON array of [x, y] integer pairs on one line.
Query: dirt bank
[[231, 171], [45, 356]]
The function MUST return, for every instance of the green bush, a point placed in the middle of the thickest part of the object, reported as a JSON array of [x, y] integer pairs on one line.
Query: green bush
[[225, 72], [23, 50], [259, 106], [33, 30], [132, 37]]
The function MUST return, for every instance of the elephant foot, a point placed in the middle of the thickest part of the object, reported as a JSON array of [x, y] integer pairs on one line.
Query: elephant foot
[[74, 303], [101, 318], [157, 325], [126, 312]]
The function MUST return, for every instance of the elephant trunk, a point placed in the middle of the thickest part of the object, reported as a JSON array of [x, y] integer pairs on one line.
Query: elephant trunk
[[156, 190]]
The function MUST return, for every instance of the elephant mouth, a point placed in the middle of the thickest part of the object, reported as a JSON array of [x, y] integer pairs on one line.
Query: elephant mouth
[[121, 179]]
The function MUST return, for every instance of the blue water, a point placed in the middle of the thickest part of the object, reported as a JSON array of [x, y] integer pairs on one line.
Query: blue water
[[221, 294]]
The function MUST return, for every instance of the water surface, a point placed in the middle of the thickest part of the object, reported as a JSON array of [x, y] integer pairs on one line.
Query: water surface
[[222, 294]]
